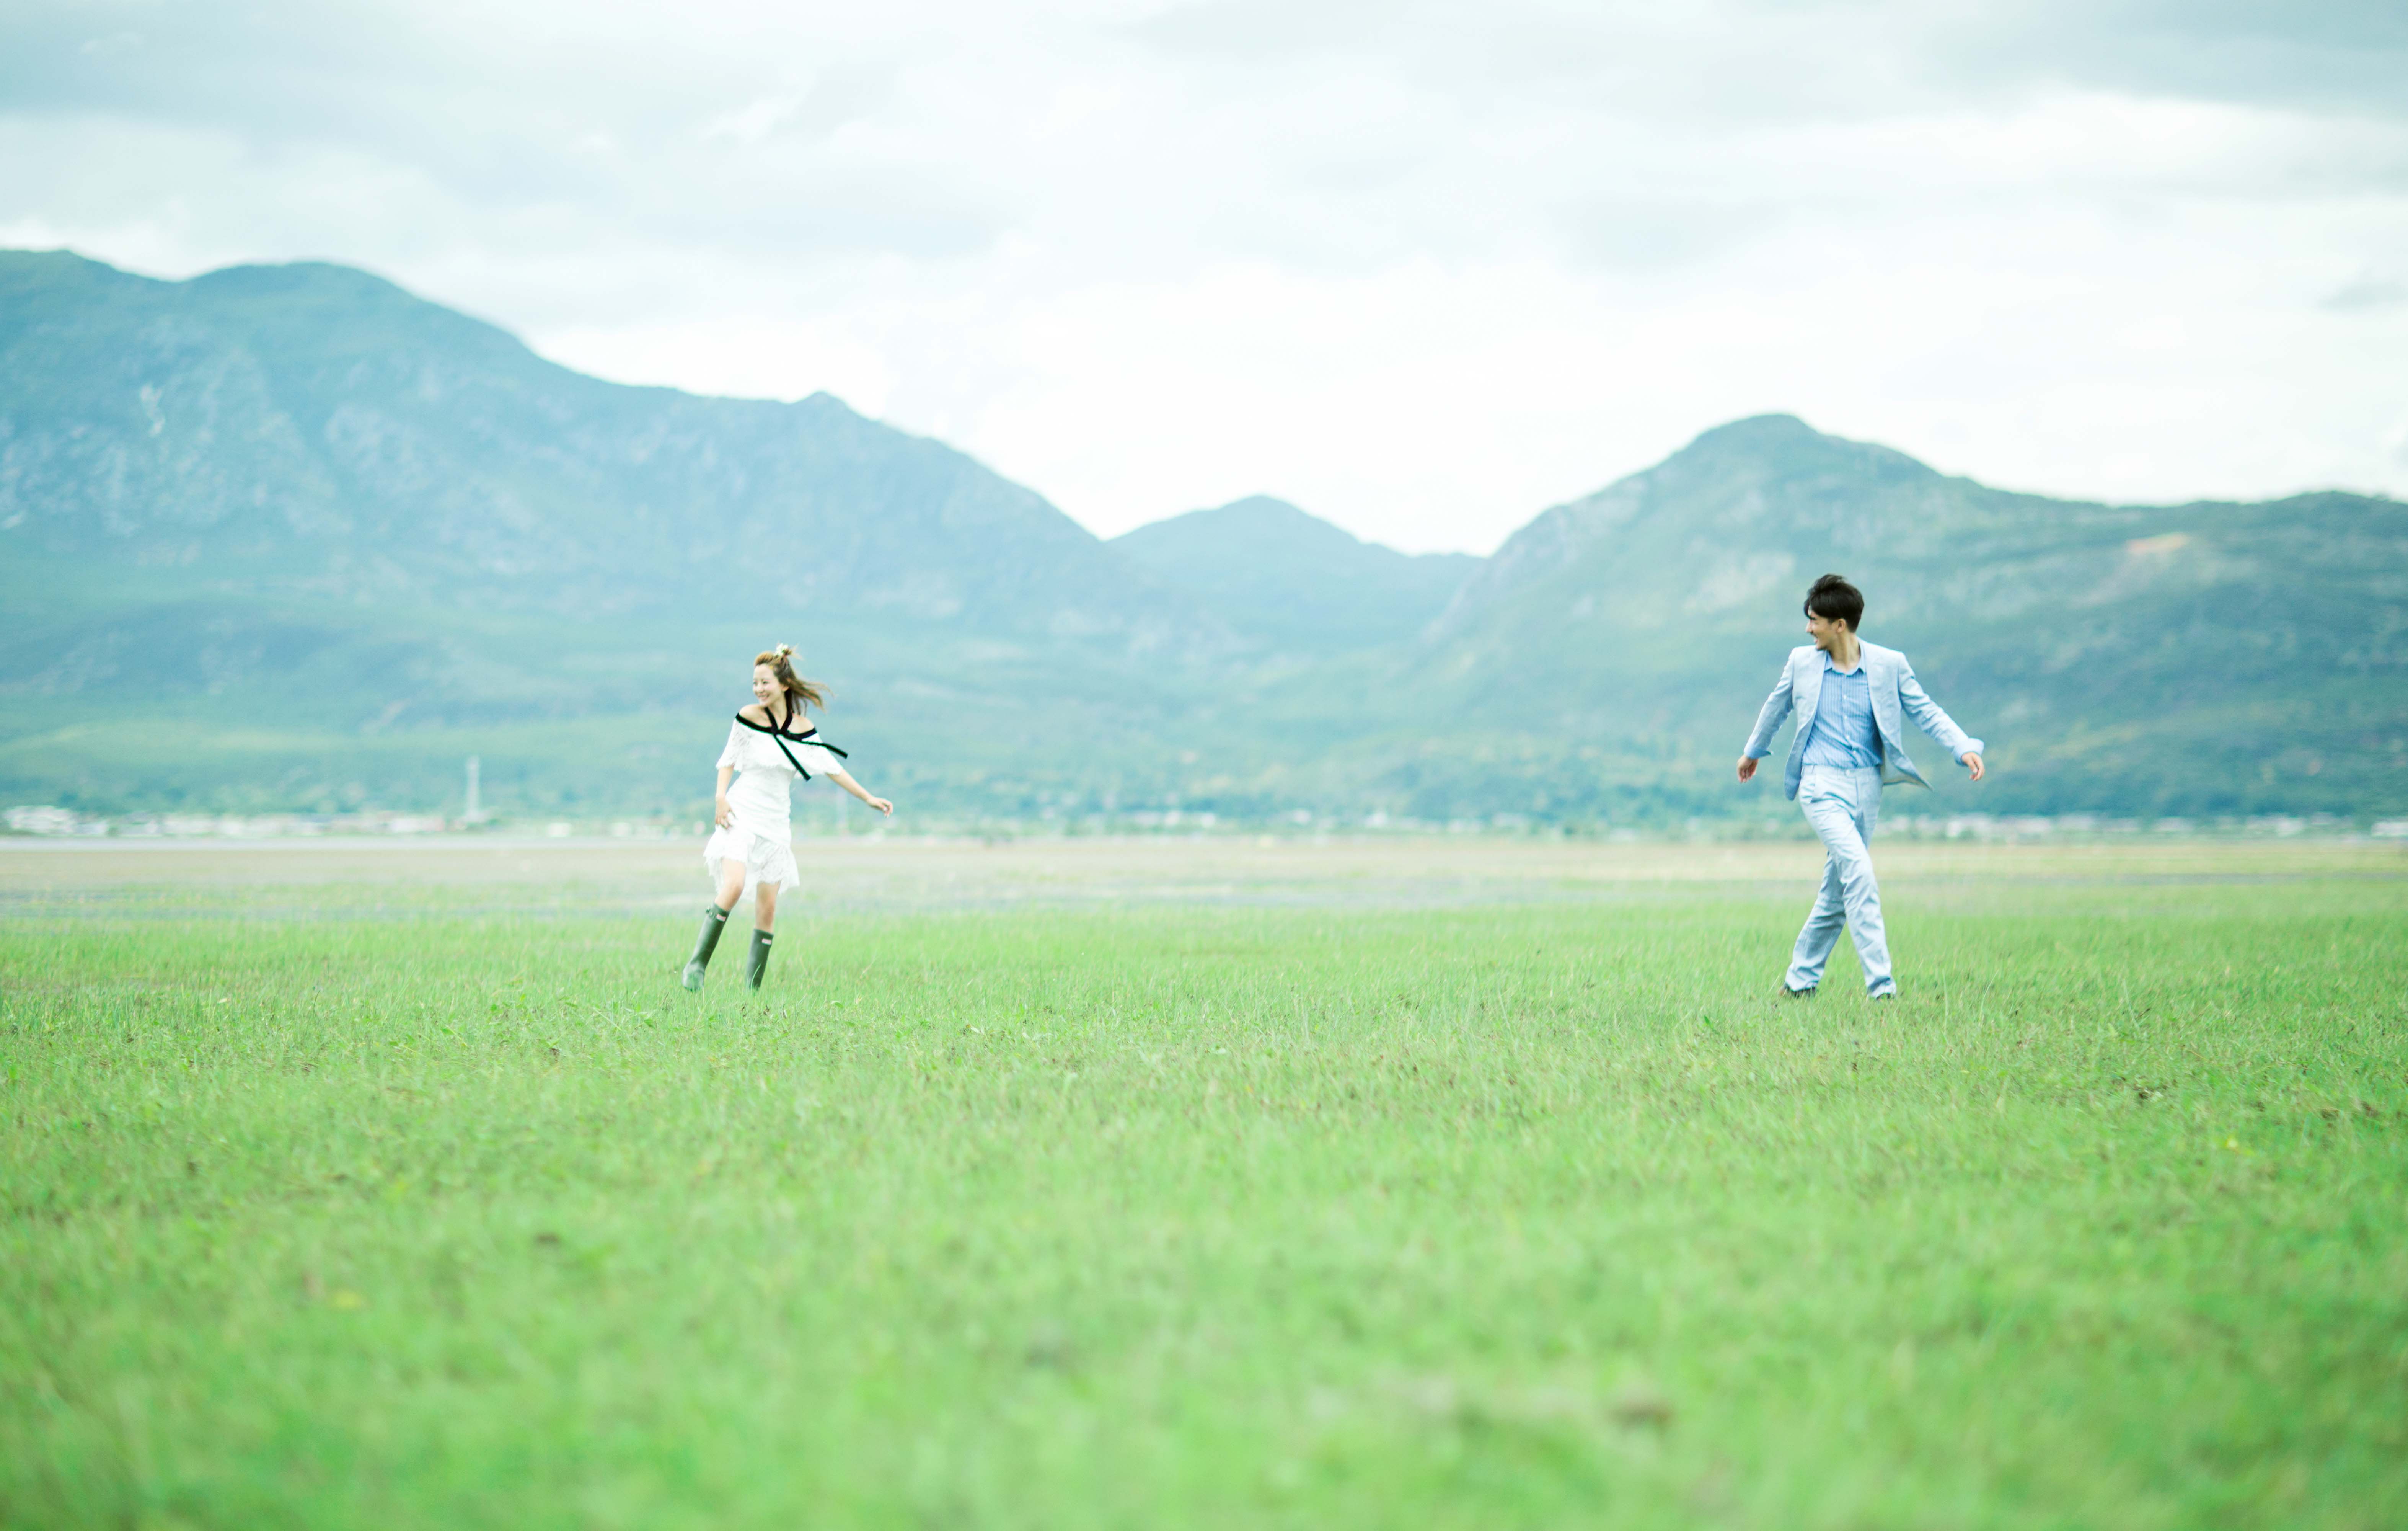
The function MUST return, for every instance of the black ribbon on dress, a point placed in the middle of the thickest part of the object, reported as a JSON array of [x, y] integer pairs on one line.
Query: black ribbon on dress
[[779, 736]]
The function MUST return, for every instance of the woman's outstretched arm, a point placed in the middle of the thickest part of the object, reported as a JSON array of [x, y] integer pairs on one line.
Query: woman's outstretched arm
[[862, 793]]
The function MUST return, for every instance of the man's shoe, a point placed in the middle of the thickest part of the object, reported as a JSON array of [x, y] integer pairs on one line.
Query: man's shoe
[[1789, 994], [1885, 994]]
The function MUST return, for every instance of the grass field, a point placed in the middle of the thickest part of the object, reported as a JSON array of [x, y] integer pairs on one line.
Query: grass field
[[1411, 1185]]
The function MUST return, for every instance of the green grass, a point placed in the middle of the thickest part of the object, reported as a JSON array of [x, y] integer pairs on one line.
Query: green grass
[[1539, 1215]]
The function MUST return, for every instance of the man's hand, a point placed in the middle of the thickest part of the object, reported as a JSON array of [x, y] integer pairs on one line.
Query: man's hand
[[1747, 768], [1974, 765]]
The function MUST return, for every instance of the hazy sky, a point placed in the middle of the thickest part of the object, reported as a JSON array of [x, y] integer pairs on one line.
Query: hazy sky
[[1423, 269]]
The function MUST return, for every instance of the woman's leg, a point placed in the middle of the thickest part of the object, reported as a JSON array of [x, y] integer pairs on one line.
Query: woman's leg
[[765, 914], [731, 883], [731, 888]]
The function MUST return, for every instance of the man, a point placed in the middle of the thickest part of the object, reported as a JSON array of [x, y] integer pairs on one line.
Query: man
[[1851, 698]]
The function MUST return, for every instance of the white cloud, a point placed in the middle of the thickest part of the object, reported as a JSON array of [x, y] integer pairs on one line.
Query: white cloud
[[1423, 269], [755, 122]]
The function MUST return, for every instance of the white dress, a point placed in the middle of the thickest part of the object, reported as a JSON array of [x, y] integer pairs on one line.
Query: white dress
[[761, 837]]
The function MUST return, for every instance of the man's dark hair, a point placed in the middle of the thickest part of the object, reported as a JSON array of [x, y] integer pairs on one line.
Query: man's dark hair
[[1834, 600]]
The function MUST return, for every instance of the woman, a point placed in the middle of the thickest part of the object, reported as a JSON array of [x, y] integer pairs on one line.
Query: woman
[[769, 744]]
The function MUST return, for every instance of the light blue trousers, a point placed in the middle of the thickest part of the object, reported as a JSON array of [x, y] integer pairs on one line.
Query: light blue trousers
[[1842, 804]]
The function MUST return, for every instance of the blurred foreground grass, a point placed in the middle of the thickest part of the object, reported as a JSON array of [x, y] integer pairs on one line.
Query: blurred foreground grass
[[1153, 1213]]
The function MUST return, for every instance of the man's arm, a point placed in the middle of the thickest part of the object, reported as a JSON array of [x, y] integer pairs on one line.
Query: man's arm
[[1939, 725], [1768, 723]]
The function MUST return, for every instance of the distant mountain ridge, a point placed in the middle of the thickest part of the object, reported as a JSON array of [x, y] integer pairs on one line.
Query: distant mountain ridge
[[2208, 657], [287, 538], [315, 427], [1294, 583]]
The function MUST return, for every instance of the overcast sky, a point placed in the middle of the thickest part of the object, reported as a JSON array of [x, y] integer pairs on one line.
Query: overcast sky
[[1423, 269]]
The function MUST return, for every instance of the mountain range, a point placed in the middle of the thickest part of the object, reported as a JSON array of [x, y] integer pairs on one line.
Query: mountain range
[[1292, 583], [289, 538]]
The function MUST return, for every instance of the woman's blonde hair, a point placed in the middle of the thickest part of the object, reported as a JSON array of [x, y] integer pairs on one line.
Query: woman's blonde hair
[[781, 661]]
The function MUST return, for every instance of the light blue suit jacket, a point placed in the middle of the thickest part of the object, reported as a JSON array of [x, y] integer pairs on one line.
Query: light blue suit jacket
[[1897, 696]]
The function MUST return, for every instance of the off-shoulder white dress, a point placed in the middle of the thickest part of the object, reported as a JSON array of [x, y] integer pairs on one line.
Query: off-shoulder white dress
[[762, 835]]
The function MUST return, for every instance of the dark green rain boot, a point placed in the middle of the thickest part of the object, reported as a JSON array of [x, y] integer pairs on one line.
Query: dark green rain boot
[[714, 920], [756, 961]]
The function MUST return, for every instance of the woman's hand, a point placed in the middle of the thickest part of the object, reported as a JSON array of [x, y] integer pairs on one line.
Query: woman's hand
[[844, 779], [726, 815]]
